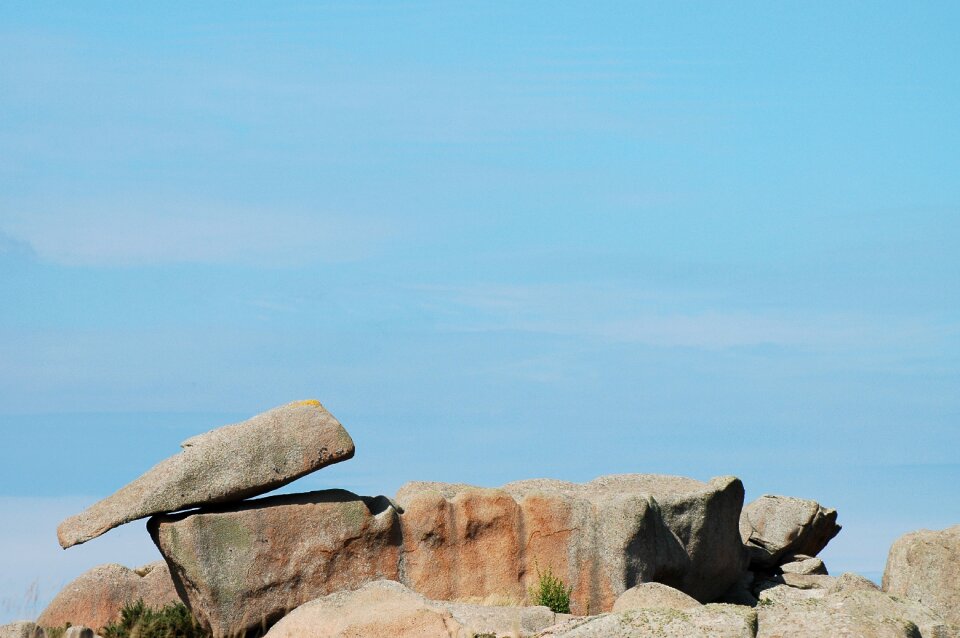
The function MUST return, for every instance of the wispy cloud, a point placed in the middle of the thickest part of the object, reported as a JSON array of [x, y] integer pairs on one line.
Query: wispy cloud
[[139, 233], [621, 313]]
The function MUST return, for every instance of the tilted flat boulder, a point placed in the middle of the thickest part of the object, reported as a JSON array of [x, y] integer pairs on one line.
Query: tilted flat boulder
[[924, 566], [96, 597], [776, 527], [801, 564], [601, 537], [241, 567], [227, 464], [707, 621]]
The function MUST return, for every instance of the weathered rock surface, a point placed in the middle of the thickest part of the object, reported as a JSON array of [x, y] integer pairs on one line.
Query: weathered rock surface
[[501, 620], [773, 527], [21, 629], [78, 632], [601, 537], [654, 596], [95, 598], [244, 566], [709, 621], [804, 565], [844, 609], [227, 464], [924, 566], [382, 609]]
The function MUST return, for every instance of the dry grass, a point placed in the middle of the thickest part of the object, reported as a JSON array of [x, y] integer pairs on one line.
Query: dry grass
[[492, 600]]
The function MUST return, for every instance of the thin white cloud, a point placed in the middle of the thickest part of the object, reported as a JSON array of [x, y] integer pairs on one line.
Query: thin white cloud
[[620, 313], [143, 234]]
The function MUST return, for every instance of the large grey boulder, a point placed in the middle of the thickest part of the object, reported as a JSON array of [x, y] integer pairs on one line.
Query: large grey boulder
[[844, 608], [241, 567], [708, 621], [924, 566], [654, 596], [382, 609], [227, 464], [21, 629], [96, 597], [388, 609], [777, 527], [600, 538]]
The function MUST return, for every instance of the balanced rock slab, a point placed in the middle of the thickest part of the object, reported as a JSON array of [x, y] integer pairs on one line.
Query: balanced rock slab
[[776, 527], [708, 621], [601, 537], [924, 566], [227, 464], [242, 567], [96, 597]]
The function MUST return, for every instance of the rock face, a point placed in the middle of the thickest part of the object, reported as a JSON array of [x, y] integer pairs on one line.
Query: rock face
[[654, 596], [708, 621], [243, 567], [775, 527], [924, 566], [78, 632], [21, 629], [844, 609], [601, 537], [227, 464], [95, 598], [382, 609]]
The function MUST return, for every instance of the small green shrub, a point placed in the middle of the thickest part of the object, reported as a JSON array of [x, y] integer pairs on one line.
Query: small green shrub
[[549, 592], [139, 621]]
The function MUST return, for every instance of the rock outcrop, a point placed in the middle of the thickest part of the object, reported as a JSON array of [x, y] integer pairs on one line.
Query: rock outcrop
[[95, 598], [775, 528], [601, 537], [924, 566], [708, 621], [844, 607], [227, 464], [654, 596], [244, 566]]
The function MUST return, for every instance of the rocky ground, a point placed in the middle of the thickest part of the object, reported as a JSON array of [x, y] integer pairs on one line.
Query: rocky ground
[[640, 555]]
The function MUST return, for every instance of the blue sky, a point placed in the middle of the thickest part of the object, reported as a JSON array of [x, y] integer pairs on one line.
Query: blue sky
[[497, 240]]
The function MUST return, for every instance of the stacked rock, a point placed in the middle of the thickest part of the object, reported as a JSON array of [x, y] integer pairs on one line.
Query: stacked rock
[[637, 550]]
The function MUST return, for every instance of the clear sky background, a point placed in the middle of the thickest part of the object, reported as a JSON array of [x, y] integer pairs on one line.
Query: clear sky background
[[497, 240]]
